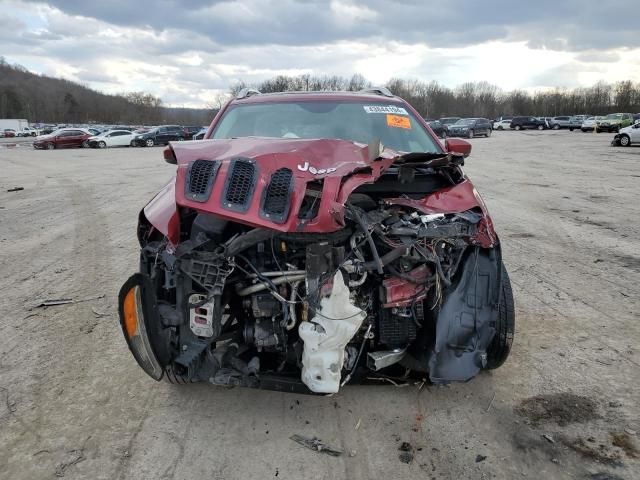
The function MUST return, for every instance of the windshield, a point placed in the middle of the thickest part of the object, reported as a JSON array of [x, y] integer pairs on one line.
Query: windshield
[[614, 116], [465, 121], [393, 125]]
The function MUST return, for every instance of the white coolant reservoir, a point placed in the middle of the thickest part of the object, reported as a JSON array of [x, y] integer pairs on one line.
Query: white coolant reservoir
[[326, 336]]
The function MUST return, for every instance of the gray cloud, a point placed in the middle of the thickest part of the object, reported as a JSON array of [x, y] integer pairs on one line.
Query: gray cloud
[[186, 54], [570, 24]]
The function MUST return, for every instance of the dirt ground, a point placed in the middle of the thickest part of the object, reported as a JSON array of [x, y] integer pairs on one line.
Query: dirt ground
[[566, 405]]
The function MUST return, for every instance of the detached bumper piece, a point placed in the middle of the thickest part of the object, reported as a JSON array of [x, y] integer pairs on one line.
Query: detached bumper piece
[[139, 321]]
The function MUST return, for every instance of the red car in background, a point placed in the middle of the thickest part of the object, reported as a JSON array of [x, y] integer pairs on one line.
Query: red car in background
[[63, 138], [8, 133]]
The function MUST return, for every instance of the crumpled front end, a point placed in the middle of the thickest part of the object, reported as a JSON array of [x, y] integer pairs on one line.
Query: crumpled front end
[[354, 264]]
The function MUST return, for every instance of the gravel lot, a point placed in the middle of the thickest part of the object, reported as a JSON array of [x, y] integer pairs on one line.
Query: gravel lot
[[74, 404]]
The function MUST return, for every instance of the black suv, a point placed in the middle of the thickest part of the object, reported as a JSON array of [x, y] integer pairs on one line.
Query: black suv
[[519, 123], [161, 136], [470, 127]]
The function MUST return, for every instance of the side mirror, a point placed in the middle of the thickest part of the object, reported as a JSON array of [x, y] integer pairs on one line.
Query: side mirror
[[456, 145]]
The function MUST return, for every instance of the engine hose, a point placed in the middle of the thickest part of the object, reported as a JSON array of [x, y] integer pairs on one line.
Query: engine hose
[[264, 285], [386, 258], [246, 240], [377, 263], [293, 319]]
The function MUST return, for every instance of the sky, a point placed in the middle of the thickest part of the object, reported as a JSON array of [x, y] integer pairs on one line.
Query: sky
[[189, 53]]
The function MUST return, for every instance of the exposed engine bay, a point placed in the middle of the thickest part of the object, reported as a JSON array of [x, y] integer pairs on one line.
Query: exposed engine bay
[[394, 292]]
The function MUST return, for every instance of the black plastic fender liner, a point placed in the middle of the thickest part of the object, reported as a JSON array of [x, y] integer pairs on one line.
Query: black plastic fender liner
[[466, 323], [147, 339]]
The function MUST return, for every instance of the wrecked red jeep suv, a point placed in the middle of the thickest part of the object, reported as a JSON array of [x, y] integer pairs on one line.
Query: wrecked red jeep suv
[[313, 240]]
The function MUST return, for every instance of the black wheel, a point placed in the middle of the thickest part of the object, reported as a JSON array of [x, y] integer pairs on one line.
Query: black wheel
[[51, 146], [571, 129], [517, 127], [625, 141], [149, 142], [171, 376], [500, 346], [133, 143], [488, 133], [540, 127], [556, 127], [471, 133], [102, 144], [500, 127], [85, 144]]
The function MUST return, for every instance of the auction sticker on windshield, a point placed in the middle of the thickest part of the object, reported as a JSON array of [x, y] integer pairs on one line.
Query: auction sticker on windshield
[[385, 109], [396, 121]]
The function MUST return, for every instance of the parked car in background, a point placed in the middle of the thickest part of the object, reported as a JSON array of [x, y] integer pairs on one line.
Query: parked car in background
[[575, 122], [636, 117], [28, 132], [190, 132], [47, 129], [63, 138], [628, 136], [470, 127], [112, 138], [9, 133], [556, 123], [614, 122], [502, 124], [589, 123], [446, 121], [199, 135], [160, 136], [521, 123], [438, 128]]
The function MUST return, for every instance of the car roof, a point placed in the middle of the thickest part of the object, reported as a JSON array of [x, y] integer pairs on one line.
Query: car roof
[[317, 96]]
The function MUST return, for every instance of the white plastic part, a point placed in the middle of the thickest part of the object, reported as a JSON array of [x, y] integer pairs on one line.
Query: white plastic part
[[326, 336], [201, 318]]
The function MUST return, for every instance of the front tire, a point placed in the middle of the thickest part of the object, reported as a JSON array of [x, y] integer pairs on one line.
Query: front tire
[[500, 346], [517, 127], [625, 141], [540, 127], [133, 143], [556, 127], [149, 142], [471, 133], [85, 144], [488, 133], [102, 144], [51, 146]]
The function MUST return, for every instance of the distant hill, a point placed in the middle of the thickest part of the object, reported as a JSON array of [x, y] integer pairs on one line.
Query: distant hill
[[40, 98]]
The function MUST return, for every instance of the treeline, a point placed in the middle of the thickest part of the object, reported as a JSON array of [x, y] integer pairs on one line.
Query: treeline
[[475, 99], [40, 98]]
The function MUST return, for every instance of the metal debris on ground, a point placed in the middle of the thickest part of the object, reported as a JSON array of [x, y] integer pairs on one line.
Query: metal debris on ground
[[316, 445], [15, 189], [548, 438], [51, 303], [65, 301]]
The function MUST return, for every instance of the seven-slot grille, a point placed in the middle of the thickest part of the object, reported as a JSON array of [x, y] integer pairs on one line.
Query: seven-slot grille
[[241, 181], [200, 177], [275, 205]]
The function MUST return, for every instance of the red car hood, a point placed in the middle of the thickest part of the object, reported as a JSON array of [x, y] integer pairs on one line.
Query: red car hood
[[339, 165], [330, 169]]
